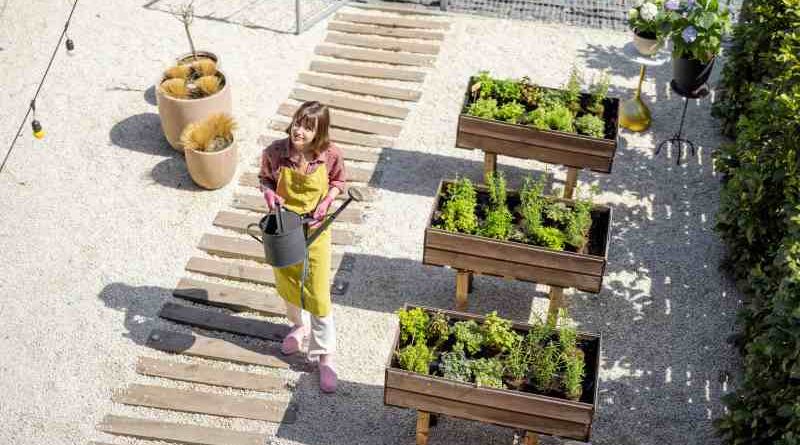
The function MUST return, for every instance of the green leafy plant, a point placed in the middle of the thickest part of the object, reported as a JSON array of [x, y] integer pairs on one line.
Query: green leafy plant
[[439, 329], [415, 357], [532, 203], [455, 366], [487, 372], [598, 92], [458, 210], [517, 363], [497, 333], [550, 237], [485, 108], [571, 357], [508, 90], [558, 212], [580, 220], [497, 223], [468, 335], [590, 125], [545, 362], [530, 94], [413, 325], [484, 85], [510, 112], [698, 27], [571, 95], [648, 19]]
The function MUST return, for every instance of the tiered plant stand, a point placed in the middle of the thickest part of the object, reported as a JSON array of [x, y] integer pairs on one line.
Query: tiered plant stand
[[533, 413], [574, 151]]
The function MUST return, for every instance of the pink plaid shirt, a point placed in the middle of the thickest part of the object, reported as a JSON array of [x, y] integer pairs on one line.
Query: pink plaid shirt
[[277, 155]]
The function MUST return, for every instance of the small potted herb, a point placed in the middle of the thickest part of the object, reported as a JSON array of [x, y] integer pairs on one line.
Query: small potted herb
[[647, 19], [698, 27]]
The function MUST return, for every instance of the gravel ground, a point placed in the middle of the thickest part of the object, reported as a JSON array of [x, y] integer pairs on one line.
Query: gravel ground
[[99, 219]]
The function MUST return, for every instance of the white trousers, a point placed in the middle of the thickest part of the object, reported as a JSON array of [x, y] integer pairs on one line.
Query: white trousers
[[323, 332]]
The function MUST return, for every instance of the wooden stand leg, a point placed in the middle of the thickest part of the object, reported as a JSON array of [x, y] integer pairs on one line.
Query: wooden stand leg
[[462, 289], [423, 427], [489, 163], [471, 286], [531, 438], [556, 302], [572, 181]]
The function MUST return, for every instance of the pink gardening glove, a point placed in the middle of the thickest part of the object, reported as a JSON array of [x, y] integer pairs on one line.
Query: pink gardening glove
[[272, 199], [321, 211]]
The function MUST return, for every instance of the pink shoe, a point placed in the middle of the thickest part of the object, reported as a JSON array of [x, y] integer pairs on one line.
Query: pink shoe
[[292, 342], [327, 375]]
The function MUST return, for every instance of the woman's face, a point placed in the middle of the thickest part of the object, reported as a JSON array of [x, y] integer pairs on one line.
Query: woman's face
[[303, 133]]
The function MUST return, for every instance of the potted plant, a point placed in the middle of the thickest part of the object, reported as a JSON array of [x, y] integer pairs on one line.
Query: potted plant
[[646, 20], [185, 14], [697, 30], [191, 90], [523, 235], [541, 377], [515, 117], [211, 151]]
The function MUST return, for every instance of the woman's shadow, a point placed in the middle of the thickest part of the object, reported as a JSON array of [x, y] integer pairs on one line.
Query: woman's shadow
[[140, 304]]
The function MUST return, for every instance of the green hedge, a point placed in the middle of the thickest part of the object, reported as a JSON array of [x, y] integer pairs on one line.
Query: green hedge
[[759, 219]]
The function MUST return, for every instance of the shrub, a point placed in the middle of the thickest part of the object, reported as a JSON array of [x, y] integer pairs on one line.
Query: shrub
[[458, 210], [413, 325], [485, 108], [591, 125]]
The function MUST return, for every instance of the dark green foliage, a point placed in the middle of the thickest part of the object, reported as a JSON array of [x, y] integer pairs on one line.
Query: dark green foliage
[[413, 325], [488, 372], [497, 333], [759, 220], [517, 362], [458, 210], [508, 90], [415, 358], [580, 220], [510, 112], [439, 329], [469, 337], [590, 125], [544, 366], [456, 366], [485, 108], [498, 217], [574, 371]]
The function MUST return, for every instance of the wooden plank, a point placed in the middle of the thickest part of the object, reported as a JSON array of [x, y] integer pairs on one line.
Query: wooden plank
[[500, 268], [208, 375], [239, 223], [197, 345], [177, 432], [391, 21], [385, 43], [397, 8], [265, 302], [374, 55], [231, 271], [206, 403], [348, 137], [462, 289], [351, 103], [354, 86], [349, 151], [248, 249], [216, 321], [362, 70], [352, 214], [359, 28], [423, 427], [349, 121]]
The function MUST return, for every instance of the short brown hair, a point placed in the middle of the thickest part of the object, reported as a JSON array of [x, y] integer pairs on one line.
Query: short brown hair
[[316, 114]]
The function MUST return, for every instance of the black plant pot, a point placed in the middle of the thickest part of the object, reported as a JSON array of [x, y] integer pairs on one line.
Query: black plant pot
[[690, 74]]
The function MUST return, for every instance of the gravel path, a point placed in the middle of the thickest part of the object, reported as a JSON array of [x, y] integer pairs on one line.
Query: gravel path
[[98, 220]]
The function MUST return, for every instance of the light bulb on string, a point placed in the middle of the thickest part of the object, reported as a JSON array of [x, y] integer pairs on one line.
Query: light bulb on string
[[36, 126], [70, 46]]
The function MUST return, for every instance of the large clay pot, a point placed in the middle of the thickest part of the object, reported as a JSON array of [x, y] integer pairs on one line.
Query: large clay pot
[[646, 43], [690, 74], [212, 170], [176, 114]]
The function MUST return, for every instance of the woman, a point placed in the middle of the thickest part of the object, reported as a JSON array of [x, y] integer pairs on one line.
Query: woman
[[304, 173]]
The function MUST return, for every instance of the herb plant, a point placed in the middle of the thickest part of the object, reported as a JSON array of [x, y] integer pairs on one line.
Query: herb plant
[[590, 125], [484, 85], [498, 217], [439, 329], [497, 333], [468, 335], [508, 90], [572, 90], [458, 210], [580, 220], [517, 362], [598, 92], [455, 366], [413, 325], [510, 112], [485, 108], [415, 357], [488, 372]]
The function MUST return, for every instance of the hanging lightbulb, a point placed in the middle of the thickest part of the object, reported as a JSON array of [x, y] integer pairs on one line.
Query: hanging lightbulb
[[38, 132], [70, 45]]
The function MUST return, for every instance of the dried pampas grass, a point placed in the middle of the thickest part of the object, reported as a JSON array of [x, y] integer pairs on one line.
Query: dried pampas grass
[[212, 134], [178, 72], [204, 67], [175, 88], [208, 85]]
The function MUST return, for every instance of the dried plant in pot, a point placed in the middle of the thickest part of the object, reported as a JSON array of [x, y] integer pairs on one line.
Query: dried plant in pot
[[189, 93], [185, 14], [211, 151]]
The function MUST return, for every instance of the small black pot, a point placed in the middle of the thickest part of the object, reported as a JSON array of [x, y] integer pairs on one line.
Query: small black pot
[[690, 74]]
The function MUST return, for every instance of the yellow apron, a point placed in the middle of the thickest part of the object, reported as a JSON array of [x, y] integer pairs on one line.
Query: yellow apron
[[301, 194]]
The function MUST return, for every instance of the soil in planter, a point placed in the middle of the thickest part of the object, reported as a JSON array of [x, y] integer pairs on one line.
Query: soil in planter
[[596, 242]]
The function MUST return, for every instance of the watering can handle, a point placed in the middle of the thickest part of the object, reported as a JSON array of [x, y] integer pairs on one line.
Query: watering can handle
[[251, 234], [279, 214]]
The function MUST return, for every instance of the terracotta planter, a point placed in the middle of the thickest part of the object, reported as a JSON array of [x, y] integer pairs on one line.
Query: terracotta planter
[[212, 170], [690, 74], [541, 413], [207, 54], [176, 114], [582, 270], [646, 43]]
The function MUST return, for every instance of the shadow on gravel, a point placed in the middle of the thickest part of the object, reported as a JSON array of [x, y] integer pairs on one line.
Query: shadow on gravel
[[139, 304], [142, 133], [150, 95]]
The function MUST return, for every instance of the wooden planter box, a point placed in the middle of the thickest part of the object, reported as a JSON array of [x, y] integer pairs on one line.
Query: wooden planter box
[[516, 409], [520, 261], [553, 147]]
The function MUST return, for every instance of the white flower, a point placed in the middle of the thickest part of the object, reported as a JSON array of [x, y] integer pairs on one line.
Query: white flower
[[633, 14], [637, 3], [649, 11]]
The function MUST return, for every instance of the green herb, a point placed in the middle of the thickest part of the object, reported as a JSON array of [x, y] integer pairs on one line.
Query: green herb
[[580, 221], [530, 94], [510, 112], [439, 329], [415, 358], [458, 210], [572, 91], [508, 90], [549, 237], [598, 92], [487, 372], [544, 367], [591, 125], [557, 212], [532, 202], [574, 372], [468, 335], [517, 362], [485, 84], [497, 223], [455, 366], [485, 108], [413, 325]]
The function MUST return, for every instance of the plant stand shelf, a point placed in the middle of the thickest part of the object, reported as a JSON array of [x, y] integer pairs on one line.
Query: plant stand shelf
[[677, 139]]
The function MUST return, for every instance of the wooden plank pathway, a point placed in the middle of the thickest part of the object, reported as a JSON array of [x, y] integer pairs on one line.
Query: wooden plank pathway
[[367, 45]]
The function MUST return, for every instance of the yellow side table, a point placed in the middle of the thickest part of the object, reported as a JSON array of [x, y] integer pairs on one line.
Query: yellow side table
[[634, 114]]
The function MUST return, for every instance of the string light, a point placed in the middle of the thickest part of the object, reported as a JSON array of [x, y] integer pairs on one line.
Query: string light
[[36, 126]]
